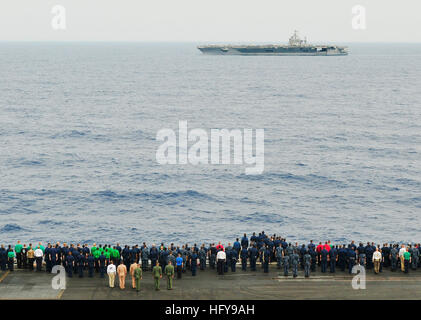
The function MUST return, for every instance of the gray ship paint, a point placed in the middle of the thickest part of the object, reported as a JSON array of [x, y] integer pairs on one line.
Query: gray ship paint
[[295, 47]]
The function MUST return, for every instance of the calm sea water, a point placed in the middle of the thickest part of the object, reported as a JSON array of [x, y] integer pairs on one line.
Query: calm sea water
[[77, 143]]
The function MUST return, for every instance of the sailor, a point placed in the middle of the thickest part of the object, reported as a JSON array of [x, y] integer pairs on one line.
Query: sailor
[[212, 256], [81, 264], [236, 247], [253, 238], [137, 253], [171, 257], [179, 265], [133, 267], [70, 260], [253, 253], [122, 273], [407, 260], [386, 255], [162, 257], [352, 256], [402, 250], [118, 248], [91, 265], [107, 254], [145, 257], [278, 255], [302, 252], [202, 257], [157, 274], [285, 263], [266, 259], [138, 276], [394, 256], [18, 250], [188, 257], [10, 258], [3, 258], [183, 252], [229, 253], [31, 257], [193, 263], [342, 256], [333, 256], [63, 252], [153, 255], [319, 249], [361, 255], [102, 264], [323, 260], [261, 253], [85, 250], [38, 258], [377, 257], [415, 257], [289, 250], [244, 255], [76, 254], [24, 253], [313, 255], [115, 255], [369, 256], [307, 264], [125, 253], [233, 259], [53, 256], [47, 258], [169, 272], [221, 257], [244, 241], [311, 246], [111, 271], [96, 253], [295, 259]]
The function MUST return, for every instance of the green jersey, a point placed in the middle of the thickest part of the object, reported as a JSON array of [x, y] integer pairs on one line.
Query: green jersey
[[406, 255], [11, 254], [157, 271], [107, 254], [96, 254], [18, 248]]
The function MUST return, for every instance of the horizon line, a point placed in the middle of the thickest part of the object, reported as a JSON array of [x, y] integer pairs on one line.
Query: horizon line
[[203, 41]]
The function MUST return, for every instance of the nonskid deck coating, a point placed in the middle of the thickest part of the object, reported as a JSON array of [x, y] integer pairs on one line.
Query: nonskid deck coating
[[241, 285]]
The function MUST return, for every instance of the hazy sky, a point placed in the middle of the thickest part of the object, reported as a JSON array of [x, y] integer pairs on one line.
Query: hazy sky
[[211, 20]]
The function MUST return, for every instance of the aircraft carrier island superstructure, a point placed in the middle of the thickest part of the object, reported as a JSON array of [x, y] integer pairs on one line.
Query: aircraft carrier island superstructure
[[295, 47]]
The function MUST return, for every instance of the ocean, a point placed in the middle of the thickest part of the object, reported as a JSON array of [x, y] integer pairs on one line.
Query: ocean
[[78, 125]]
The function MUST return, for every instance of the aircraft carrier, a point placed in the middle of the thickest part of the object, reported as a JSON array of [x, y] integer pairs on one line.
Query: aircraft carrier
[[295, 47]]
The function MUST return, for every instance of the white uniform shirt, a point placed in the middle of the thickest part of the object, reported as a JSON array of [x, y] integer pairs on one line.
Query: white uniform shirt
[[377, 256], [111, 269], [401, 252], [221, 255], [38, 253]]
